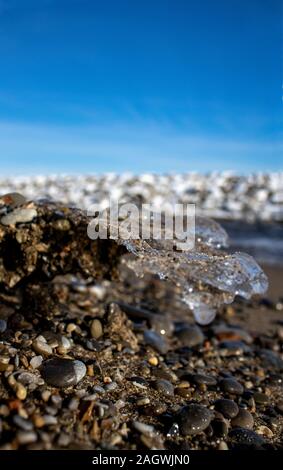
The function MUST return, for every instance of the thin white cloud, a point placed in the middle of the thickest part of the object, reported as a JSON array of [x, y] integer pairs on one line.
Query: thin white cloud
[[120, 146]]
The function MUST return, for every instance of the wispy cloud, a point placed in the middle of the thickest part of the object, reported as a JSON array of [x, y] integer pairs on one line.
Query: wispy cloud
[[128, 146]]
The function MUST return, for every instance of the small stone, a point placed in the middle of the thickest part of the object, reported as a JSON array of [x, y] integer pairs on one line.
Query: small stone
[[153, 361], [96, 329], [164, 386], [246, 438], [19, 215], [59, 372], [3, 325], [93, 345], [260, 398], [143, 428], [63, 440], [41, 347], [190, 336], [228, 408], [231, 386], [45, 395], [223, 446], [12, 200], [183, 392], [36, 362], [49, 420], [21, 391], [193, 419], [26, 378], [156, 341], [265, 431], [25, 438], [143, 401], [243, 419], [110, 387], [201, 379], [22, 423], [139, 382]]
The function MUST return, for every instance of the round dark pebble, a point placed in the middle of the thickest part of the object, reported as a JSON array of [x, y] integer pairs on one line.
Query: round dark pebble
[[156, 341], [164, 386], [260, 398], [61, 373], [243, 419], [190, 336], [200, 379], [193, 419], [139, 380], [228, 408], [231, 386], [246, 438]]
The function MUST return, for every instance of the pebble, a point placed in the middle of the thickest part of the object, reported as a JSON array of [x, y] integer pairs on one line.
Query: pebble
[[59, 372], [22, 423], [260, 398], [156, 409], [139, 381], [156, 341], [3, 325], [183, 392], [265, 431], [110, 387], [26, 378], [25, 438], [143, 428], [193, 419], [164, 386], [153, 361], [143, 401], [244, 419], [231, 386], [41, 347], [93, 345], [201, 379], [36, 362], [246, 437], [13, 199], [228, 408], [190, 336], [19, 215], [223, 446], [96, 329]]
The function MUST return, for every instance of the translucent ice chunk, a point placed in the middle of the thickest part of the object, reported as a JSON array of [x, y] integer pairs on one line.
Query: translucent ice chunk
[[204, 277], [211, 233]]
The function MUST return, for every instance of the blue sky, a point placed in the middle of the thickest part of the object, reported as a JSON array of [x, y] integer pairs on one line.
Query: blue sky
[[152, 85]]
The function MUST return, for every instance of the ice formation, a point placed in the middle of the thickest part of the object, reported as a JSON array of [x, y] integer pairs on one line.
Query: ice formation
[[54, 240]]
